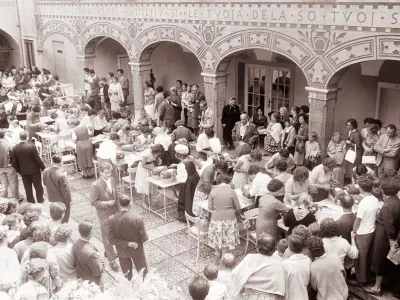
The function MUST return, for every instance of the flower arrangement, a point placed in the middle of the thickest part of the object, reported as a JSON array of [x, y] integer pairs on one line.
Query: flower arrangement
[[78, 290]]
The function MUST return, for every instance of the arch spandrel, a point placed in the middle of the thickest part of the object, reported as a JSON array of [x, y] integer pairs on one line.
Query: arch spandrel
[[58, 27]]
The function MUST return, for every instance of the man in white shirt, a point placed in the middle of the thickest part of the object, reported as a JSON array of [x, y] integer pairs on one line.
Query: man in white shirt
[[203, 143], [217, 290], [259, 182], [297, 269], [14, 131], [364, 227]]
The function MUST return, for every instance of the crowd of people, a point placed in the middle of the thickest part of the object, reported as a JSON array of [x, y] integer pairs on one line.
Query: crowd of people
[[272, 160]]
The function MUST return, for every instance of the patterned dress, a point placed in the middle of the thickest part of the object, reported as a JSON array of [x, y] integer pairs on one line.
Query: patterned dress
[[240, 179], [149, 102]]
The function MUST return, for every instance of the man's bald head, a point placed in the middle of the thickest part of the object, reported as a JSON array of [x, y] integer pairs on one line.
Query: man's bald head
[[346, 201], [244, 118]]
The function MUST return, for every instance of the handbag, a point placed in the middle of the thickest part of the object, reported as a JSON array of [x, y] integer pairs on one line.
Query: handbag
[[368, 159], [394, 254], [351, 155], [300, 146]]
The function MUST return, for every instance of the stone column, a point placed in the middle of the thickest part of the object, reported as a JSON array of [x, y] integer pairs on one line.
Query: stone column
[[85, 61], [215, 93], [322, 114], [140, 74]]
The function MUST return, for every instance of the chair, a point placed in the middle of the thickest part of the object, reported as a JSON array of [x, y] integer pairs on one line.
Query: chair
[[195, 232], [65, 150], [39, 147], [251, 235], [129, 181]]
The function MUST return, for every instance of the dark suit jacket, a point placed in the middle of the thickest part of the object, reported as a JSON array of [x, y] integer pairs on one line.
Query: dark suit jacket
[[250, 134], [345, 225], [167, 112], [182, 132], [57, 185], [105, 93], [125, 227], [88, 265], [25, 159], [99, 194], [230, 115]]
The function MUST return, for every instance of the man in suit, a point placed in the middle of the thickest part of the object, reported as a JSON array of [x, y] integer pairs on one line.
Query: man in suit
[[94, 81], [230, 115], [207, 119], [104, 197], [26, 161], [246, 131], [104, 99], [166, 111], [124, 84], [127, 232], [57, 187], [87, 259], [387, 147], [182, 132]]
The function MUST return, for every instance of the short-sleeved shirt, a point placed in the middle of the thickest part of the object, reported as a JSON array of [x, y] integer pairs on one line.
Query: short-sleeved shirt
[[367, 210]]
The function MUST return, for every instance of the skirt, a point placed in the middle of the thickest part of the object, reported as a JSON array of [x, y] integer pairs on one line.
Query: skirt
[[240, 179], [141, 184], [270, 145], [223, 233], [149, 108], [197, 198], [251, 294]]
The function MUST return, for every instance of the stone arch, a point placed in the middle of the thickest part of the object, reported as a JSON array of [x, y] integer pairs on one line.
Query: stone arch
[[9, 44], [365, 49], [149, 39], [58, 27], [218, 56], [98, 31]]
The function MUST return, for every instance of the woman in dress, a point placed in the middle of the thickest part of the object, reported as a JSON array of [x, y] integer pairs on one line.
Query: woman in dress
[[353, 142], [84, 151], [144, 121], [185, 102], [387, 233], [369, 142], [241, 177], [301, 138], [321, 179], [206, 181], [189, 178], [259, 119], [149, 101], [144, 169], [289, 134], [270, 207], [176, 102], [115, 93], [300, 213], [295, 117], [158, 99], [261, 274], [194, 110], [143, 141], [296, 185], [33, 289], [337, 149], [272, 141], [223, 233]]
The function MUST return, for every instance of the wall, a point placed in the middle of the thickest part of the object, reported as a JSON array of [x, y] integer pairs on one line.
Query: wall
[[300, 93], [170, 62], [9, 24], [106, 57], [389, 72], [28, 27], [74, 73], [356, 99]]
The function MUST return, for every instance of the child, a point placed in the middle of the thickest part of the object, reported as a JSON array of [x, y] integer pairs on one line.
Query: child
[[312, 151], [57, 212], [225, 275], [281, 248], [217, 290]]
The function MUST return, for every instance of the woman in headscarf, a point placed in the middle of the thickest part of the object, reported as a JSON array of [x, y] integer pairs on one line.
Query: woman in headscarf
[[300, 213], [188, 177]]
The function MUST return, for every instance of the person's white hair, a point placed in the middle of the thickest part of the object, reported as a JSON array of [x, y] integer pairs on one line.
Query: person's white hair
[[181, 149]]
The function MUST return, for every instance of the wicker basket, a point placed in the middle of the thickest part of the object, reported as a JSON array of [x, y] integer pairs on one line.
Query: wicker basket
[[168, 180]]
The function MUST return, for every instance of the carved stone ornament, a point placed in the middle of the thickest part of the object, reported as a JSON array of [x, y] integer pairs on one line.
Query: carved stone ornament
[[209, 32], [321, 40], [38, 22], [132, 27], [78, 24]]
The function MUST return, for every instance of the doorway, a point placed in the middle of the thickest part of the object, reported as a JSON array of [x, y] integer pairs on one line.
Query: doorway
[[388, 104], [59, 60], [123, 63], [268, 86]]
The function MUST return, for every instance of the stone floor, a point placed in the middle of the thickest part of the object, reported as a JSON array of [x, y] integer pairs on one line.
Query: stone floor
[[167, 248]]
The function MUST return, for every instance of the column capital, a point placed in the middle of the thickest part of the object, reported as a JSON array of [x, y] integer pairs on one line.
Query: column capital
[[86, 58], [215, 78], [140, 66], [322, 94]]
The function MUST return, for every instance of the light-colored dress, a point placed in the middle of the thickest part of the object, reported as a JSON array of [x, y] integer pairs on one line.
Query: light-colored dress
[[240, 179], [141, 184], [115, 94], [149, 102], [272, 141]]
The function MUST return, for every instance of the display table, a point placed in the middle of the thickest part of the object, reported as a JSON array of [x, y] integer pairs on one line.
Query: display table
[[46, 120], [245, 204], [161, 196]]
